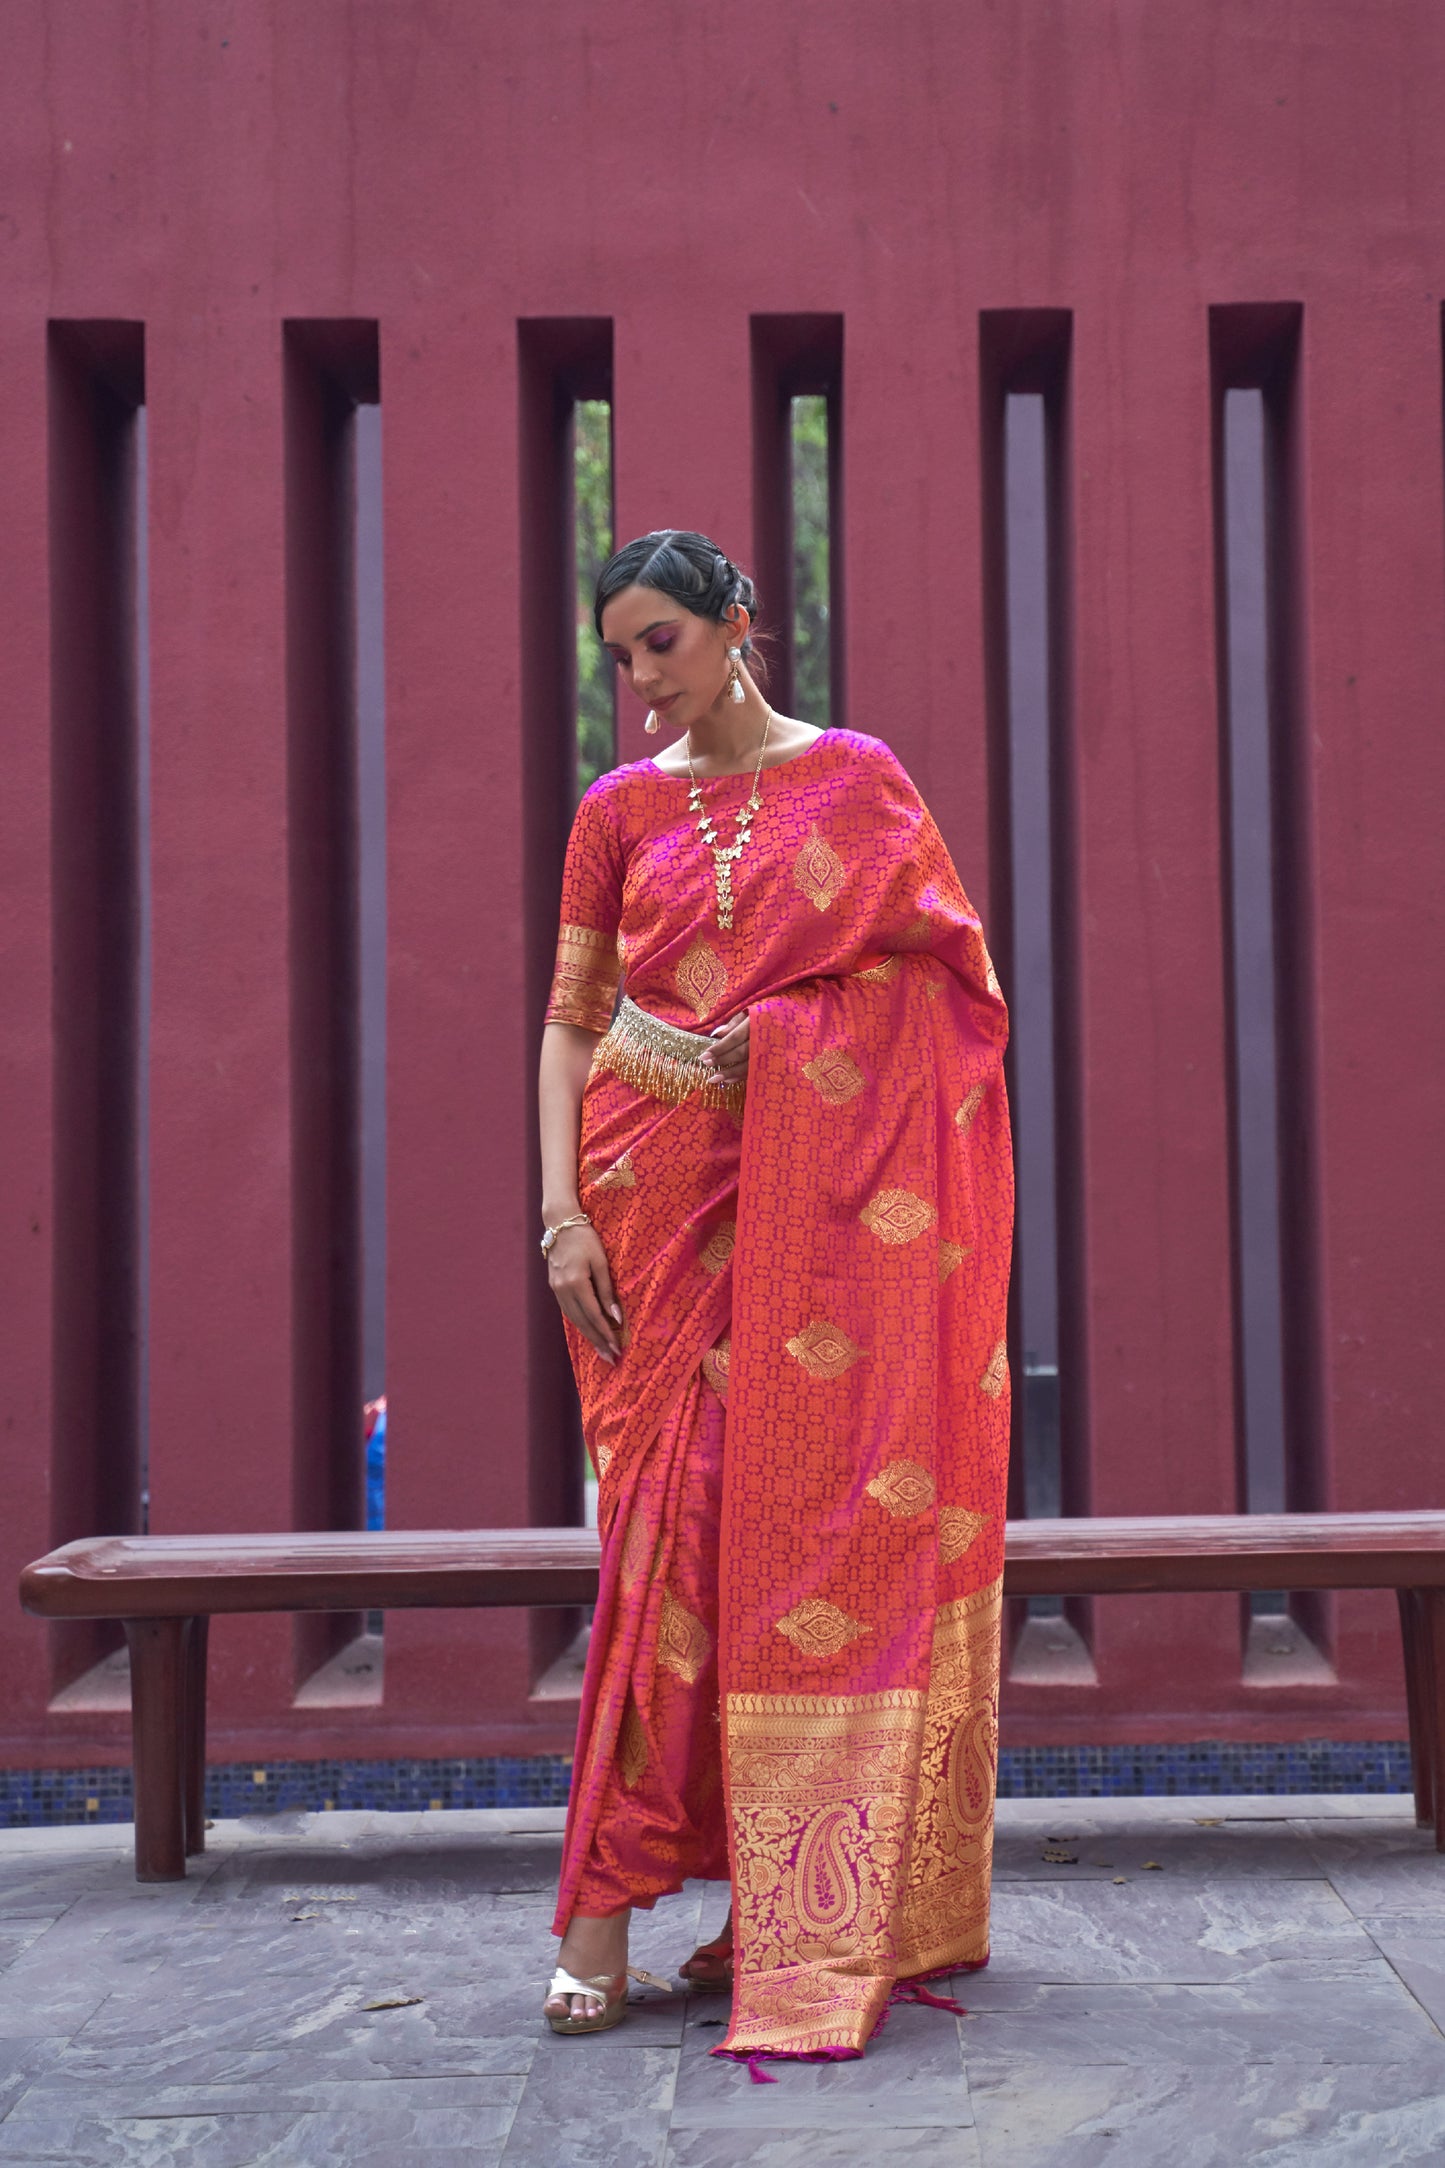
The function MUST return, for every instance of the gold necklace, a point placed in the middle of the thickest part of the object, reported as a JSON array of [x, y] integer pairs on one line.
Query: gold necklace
[[724, 854]]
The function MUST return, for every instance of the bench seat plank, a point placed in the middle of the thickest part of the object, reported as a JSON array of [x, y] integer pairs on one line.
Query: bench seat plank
[[181, 1576]]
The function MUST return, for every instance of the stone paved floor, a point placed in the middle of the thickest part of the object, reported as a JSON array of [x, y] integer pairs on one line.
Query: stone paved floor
[[1195, 1982]]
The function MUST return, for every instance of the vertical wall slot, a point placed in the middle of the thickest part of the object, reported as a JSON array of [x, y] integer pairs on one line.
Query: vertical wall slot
[[564, 388], [1265, 803], [331, 370], [98, 726], [797, 372], [595, 711], [1024, 391]]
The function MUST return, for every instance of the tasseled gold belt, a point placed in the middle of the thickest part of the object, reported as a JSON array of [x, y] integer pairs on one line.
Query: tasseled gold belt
[[662, 1059]]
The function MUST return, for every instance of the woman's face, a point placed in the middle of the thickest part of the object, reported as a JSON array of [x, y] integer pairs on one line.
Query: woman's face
[[674, 661]]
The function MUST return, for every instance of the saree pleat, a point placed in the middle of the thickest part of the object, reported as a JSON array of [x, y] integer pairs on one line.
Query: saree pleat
[[834, 1261]]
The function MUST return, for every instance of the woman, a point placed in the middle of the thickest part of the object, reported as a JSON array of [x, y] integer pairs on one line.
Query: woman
[[778, 1199]]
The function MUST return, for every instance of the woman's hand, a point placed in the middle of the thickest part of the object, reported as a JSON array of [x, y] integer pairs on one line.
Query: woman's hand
[[579, 1276], [729, 1051]]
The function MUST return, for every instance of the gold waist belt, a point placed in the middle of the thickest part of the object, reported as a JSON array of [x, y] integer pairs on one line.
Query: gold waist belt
[[662, 1059]]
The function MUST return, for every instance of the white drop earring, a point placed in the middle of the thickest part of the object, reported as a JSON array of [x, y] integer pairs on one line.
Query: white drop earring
[[735, 683], [652, 725]]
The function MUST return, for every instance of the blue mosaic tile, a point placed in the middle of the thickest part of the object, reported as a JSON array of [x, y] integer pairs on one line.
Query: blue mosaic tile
[[31, 1798]]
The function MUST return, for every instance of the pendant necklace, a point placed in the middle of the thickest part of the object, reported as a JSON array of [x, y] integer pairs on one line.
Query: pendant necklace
[[724, 854]]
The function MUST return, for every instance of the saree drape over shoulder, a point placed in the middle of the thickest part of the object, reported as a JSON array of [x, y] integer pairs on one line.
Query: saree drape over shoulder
[[793, 1670]]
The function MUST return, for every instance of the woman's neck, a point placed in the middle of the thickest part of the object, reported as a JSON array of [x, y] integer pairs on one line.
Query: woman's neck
[[728, 737]]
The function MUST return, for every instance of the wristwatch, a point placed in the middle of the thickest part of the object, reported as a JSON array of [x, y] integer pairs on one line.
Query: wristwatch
[[578, 1219]]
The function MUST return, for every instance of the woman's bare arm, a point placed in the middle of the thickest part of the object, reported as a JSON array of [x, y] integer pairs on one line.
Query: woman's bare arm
[[577, 1267]]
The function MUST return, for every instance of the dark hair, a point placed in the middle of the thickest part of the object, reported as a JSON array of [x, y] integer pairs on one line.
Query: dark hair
[[685, 567]]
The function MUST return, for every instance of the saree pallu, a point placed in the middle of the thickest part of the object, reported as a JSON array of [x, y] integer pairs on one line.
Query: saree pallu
[[833, 1259]]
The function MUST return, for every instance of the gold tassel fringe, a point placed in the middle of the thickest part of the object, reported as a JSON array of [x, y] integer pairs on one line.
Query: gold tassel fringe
[[662, 1060]]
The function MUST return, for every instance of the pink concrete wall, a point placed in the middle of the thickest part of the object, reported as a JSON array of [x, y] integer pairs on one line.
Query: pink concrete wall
[[443, 170]]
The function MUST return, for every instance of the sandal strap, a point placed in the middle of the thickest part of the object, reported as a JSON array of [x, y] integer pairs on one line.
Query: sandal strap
[[563, 1983]]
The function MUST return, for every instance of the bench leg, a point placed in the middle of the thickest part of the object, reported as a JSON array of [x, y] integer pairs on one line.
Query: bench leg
[[1433, 1604], [194, 1773], [1418, 1667], [158, 1714]]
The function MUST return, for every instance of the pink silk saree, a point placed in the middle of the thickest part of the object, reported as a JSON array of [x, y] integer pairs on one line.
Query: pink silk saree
[[830, 1260]]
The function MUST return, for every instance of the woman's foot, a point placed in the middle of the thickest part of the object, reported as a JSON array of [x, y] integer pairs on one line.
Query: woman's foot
[[709, 1970], [591, 1950]]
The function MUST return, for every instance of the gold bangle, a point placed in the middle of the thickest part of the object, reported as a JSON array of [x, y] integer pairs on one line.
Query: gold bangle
[[578, 1219]]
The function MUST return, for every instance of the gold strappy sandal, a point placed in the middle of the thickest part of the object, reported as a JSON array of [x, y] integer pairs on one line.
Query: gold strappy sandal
[[609, 1988]]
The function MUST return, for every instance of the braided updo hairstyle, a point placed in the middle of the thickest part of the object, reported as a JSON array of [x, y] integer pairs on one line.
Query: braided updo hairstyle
[[687, 568]]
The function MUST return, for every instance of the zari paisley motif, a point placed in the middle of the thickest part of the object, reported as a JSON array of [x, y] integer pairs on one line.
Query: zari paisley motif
[[903, 1489], [818, 870], [950, 1257], [824, 1350], [834, 1076], [896, 1215], [819, 1628], [971, 1105], [958, 1530], [701, 979], [880, 974], [945, 1910], [683, 1642], [995, 1377], [619, 1175]]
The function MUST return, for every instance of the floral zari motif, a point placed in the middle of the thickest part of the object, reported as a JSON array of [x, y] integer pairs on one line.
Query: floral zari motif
[[819, 1628], [824, 1350], [818, 870], [897, 1215]]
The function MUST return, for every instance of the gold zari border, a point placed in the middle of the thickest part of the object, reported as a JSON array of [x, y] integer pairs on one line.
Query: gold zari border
[[584, 979], [863, 1828]]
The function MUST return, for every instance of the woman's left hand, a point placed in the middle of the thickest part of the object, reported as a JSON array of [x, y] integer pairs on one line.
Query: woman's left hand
[[729, 1054]]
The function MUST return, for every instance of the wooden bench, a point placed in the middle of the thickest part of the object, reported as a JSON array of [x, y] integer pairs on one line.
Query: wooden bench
[[165, 1590]]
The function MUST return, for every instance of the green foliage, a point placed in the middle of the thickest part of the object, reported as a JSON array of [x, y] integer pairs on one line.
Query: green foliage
[[810, 560], [592, 485]]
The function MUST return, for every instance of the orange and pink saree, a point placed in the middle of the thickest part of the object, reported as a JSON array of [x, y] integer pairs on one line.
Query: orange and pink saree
[[792, 1675]]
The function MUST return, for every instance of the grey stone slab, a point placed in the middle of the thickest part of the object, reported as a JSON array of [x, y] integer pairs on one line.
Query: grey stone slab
[[388, 1874], [1413, 1944], [1379, 1866], [1193, 1849], [22, 2061], [1162, 1928], [580, 2109], [268, 2139], [911, 2075], [45, 1884], [1185, 1807], [296, 2088], [797, 2148], [1272, 2115], [16, 1937], [1374, 2020]]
